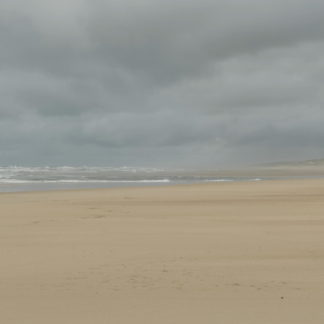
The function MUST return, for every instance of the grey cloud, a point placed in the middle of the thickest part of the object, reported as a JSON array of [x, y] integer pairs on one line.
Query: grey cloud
[[162, 40], [162, 82], [169, 41]]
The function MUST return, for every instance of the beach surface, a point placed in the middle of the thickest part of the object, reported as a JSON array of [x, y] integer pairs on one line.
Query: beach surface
[[239, 252]]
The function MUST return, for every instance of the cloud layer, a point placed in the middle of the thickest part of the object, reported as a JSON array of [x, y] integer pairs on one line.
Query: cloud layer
[[165, 83]]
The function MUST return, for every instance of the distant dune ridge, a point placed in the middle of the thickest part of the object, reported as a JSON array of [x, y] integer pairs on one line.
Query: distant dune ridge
[[299, 168], [304, 163], [303, 168]]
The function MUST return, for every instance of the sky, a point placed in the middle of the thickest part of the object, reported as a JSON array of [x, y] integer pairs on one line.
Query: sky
[[181, 83]]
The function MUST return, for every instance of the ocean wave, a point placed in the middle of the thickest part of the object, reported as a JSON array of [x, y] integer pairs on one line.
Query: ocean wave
[[17, 181], [15, 169], [80, 174], [231, 180]]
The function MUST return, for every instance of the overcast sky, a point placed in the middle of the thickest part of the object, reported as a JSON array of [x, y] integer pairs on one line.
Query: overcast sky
[[161, 82]]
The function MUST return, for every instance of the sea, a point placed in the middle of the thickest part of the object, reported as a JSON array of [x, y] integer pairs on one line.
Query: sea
[[22, 178]]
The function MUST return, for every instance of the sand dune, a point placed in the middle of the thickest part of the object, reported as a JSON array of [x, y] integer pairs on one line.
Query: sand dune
[[225, 253]]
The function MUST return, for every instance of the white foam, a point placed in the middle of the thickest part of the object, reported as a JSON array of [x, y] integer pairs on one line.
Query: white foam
[[219, 180]]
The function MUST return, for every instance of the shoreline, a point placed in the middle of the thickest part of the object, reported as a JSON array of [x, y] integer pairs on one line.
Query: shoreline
[[15, 179], [67, 186]]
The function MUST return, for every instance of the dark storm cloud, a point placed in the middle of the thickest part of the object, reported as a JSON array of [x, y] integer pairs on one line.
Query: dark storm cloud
[[162, 82]]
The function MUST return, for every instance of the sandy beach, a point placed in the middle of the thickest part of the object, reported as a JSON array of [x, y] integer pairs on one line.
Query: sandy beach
[[243, 252]]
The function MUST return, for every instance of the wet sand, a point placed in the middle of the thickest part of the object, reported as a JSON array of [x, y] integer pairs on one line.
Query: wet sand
[[249, 252]]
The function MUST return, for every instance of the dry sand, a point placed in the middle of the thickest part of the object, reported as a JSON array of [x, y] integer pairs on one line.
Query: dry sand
[[215, 253]]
